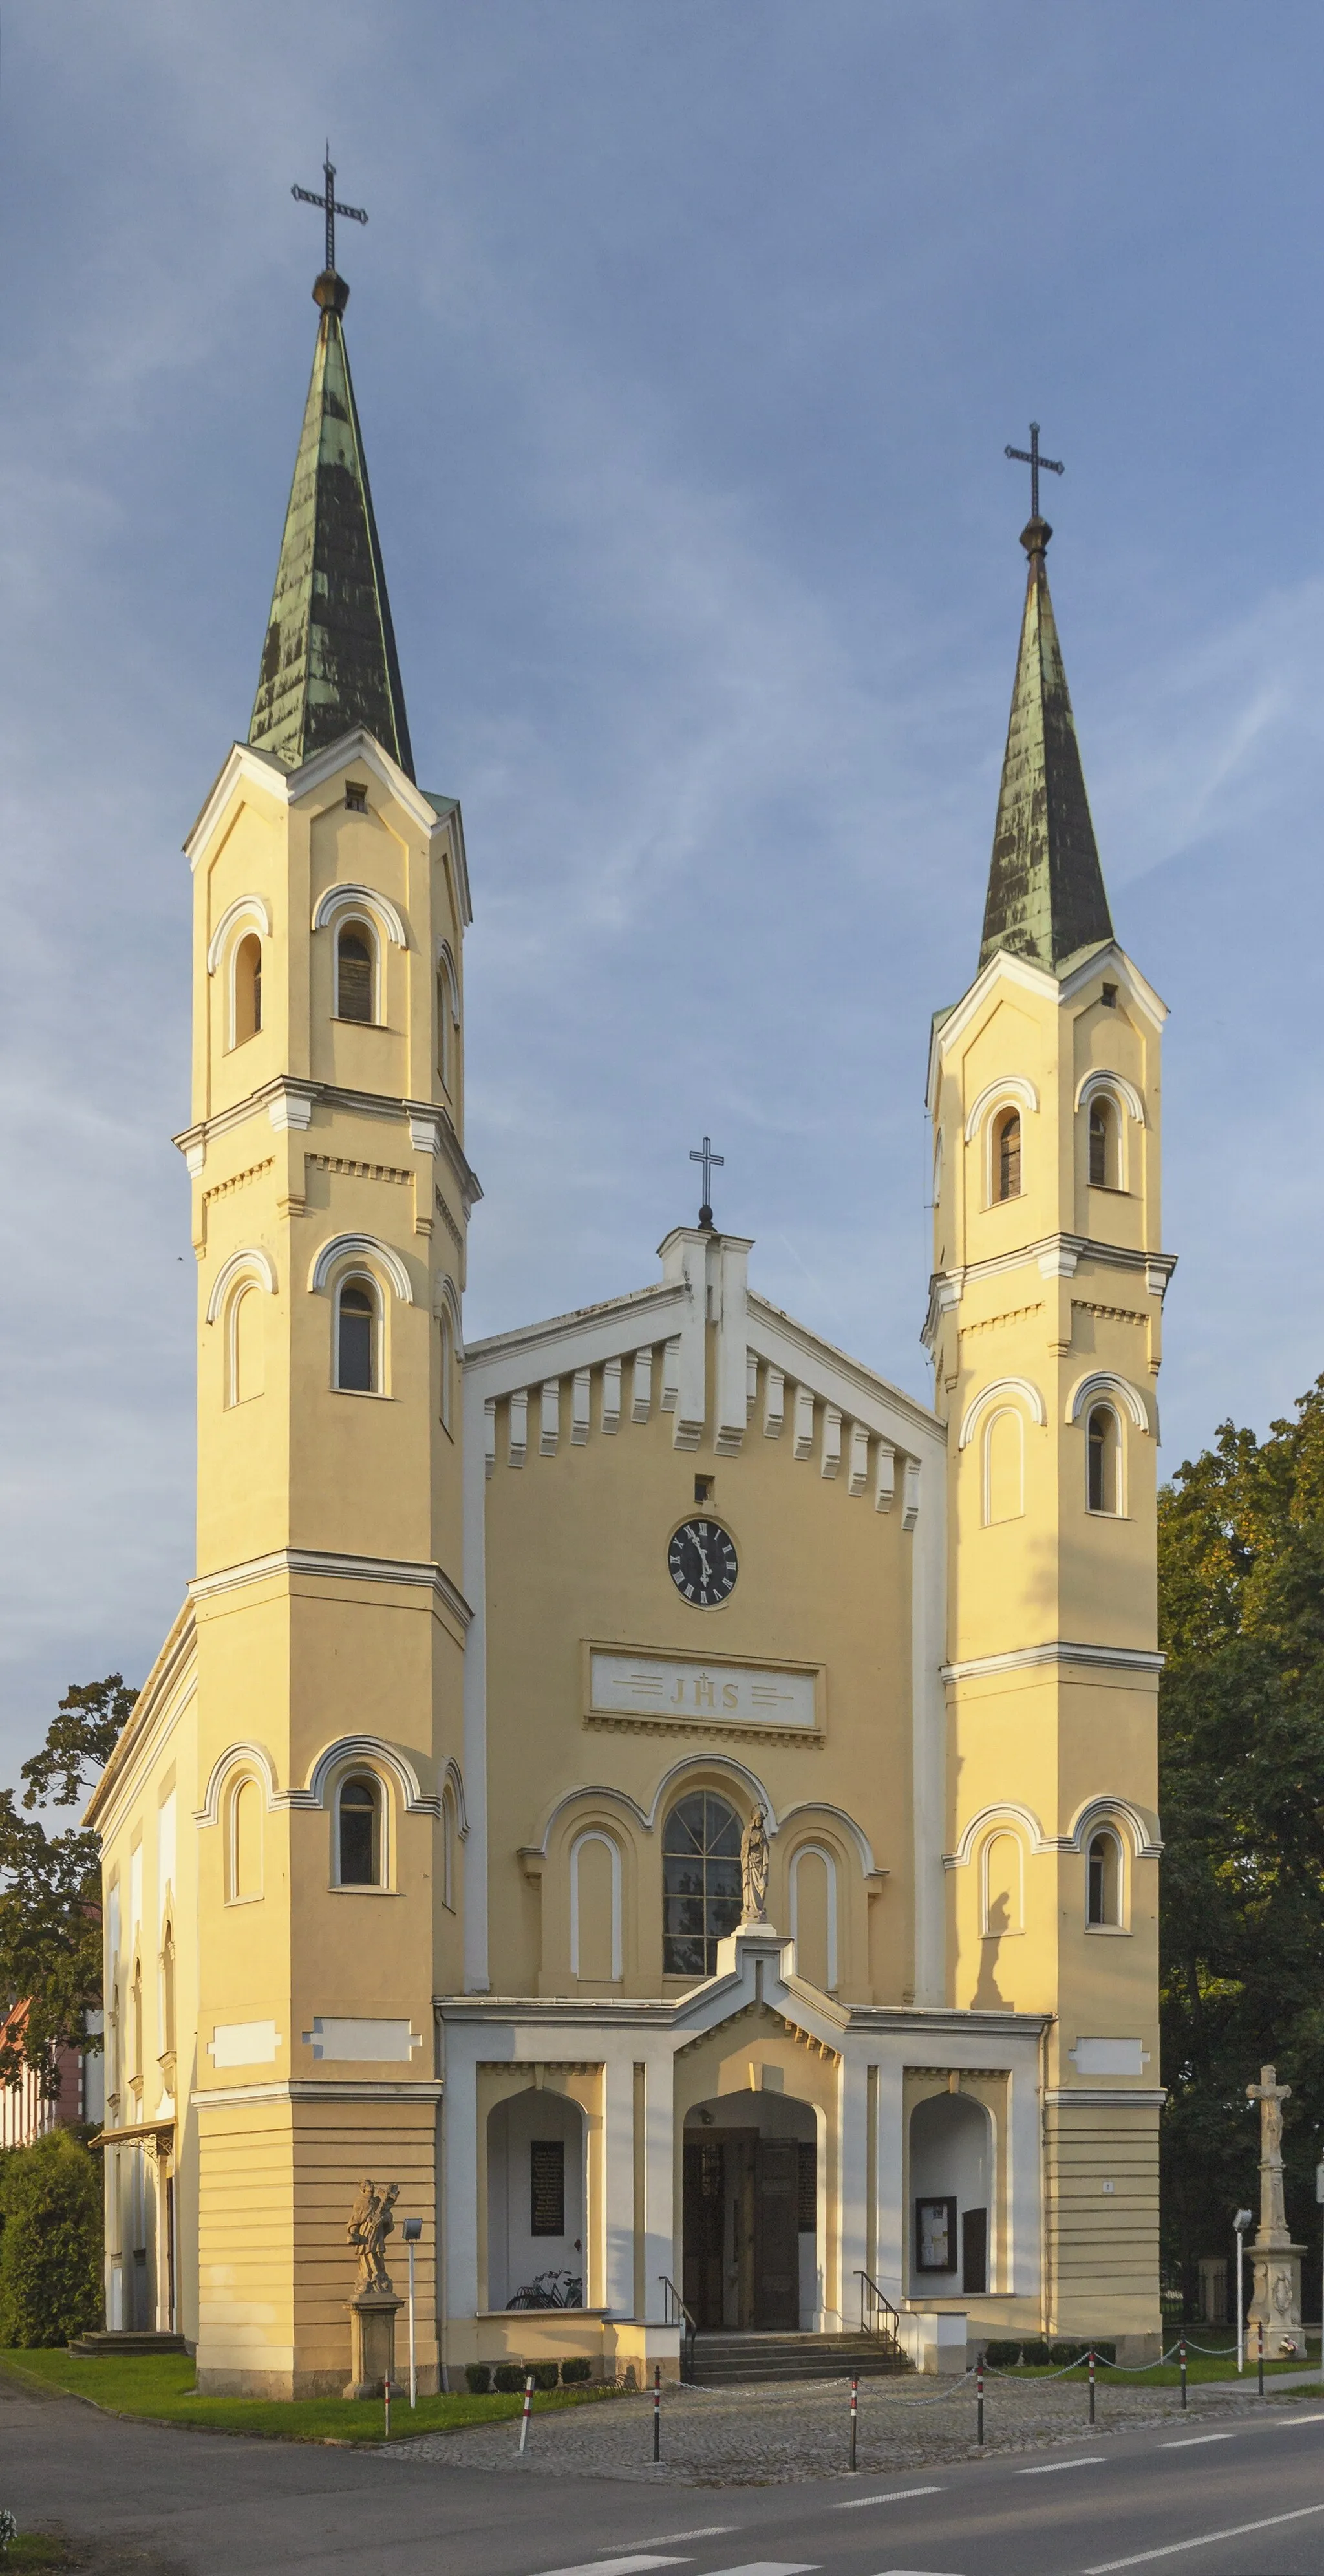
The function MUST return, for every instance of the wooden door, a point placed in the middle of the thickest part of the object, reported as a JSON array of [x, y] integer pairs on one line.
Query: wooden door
[[777, 2234], [705, 2230]]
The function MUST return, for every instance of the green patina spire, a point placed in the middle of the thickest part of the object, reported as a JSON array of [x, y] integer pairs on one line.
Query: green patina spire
[[1046, 894], [329, 662]]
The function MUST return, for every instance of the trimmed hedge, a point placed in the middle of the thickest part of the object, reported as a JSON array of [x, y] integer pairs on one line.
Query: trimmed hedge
[[1044, 2356], [508, 2377], [477, 2378], [51, 2248], [574, 2372], [544, 2374]]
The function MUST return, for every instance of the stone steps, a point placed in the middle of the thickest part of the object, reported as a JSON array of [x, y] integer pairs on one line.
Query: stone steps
[[733, 2360], [107, 2345]]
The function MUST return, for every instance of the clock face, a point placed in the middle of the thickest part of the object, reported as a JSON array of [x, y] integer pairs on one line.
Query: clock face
[[702, 1563]]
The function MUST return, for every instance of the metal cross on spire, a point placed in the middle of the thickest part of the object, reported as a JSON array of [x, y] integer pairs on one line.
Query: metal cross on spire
[[331, 205], [711, 1162], [1030, 456]]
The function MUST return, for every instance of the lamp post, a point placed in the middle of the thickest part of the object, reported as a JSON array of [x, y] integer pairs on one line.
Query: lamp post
[[1241, 2222], [1319, 2195], [411, 2232]]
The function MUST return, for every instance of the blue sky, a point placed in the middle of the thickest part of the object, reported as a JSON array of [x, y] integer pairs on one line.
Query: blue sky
[[687, 336]]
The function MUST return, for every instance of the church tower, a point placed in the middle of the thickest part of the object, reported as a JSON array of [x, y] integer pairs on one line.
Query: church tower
[[1044, 1328], [331, 1197]]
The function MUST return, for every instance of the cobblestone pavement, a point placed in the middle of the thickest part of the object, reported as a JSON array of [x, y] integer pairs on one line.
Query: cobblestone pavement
[[781, 2434]]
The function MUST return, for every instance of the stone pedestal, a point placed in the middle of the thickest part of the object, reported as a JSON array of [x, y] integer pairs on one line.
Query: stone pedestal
[[1276, 2301], [372, 2325]]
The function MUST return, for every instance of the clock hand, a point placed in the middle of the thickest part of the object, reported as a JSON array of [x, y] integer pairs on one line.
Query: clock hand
[[703, 1553]]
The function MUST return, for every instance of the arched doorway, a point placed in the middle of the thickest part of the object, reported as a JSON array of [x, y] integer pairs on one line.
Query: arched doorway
[[751, 2255], [535, 2202], [951, 2171]]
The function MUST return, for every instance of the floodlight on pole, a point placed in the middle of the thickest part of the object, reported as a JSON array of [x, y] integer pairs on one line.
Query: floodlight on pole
[[1241, 2222], [411, 2232]]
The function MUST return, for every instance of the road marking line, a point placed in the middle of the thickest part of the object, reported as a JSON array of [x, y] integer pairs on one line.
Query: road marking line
[[1294, 2420], [771, 2567], [1050, 2467], [706, 2531], [635, 2565], [895, 2495], [1192, 2441], [1206, 2540]]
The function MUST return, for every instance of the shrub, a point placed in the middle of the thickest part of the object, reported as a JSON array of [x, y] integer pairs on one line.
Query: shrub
[[1066, 2352], [545, 2373], [1003, 2356], [573, 2372], [508, 2377], [477, 2378], [1036, 2356], [51, 2249]]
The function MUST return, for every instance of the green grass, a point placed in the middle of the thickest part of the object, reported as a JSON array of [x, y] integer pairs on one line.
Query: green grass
[[161, 2385], [1200, 2366], [35, 2549]]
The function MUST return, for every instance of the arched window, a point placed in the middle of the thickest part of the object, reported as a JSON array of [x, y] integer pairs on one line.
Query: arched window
[[136, 2025], [359, 1835], [1103, 1143], [447, 1366], [245, 1842], [1002, 1886], [1103, 1889], [595, 1907], [700, 1883], [443, 1029], [1004, 1467], [1103, 1442], [354, 971], [1007, 1155], [168, 1991], [247, 1352], [448, 1849], [358, 1337], [247, 988]]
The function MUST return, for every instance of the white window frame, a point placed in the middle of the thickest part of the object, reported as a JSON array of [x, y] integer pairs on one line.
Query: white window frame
[[381, 1885], [1100, 1512], [357, 1274], [1121, 1922], [360, 921]]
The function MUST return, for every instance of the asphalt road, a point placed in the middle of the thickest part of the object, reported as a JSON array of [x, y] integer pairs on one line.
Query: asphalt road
[[1245, 2497]]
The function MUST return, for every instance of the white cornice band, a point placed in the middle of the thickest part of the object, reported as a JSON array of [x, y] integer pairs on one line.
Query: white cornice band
[[249, 910], [1022, 1387], [337, 1569], [360, 1247], [1146, 1841], [1057, 1650], [255, 1263], [360, 898]]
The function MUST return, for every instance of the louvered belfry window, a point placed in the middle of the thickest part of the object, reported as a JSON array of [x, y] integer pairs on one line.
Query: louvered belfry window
[[354, 975]]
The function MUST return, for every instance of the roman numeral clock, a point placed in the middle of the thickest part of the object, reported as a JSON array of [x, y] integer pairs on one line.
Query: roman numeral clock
[[702, 1563]]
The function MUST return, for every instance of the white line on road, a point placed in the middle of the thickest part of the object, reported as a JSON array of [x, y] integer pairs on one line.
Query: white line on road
[[895, 2495], [1192, 2441], [635, 2565], [1206, 2540], [1294, 2420], [1050, 2467], [771, 2567], [705, 2531]]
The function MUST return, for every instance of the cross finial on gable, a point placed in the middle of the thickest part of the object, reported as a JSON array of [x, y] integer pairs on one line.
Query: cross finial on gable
[[711, 1162], [331, 206]]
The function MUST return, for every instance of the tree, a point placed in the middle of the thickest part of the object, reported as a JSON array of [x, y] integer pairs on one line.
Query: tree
[[1241, 1731], [50, 1887], [50, 2250]]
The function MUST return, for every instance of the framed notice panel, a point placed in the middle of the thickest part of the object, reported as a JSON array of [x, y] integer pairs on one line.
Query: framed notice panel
[[547, 2187], [935, 2235]]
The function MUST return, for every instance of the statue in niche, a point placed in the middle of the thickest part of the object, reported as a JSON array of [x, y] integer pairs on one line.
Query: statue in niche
[[754, 1860], [371, 2221]]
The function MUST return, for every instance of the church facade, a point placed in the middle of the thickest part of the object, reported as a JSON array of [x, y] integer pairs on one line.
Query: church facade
[[423, 1843]]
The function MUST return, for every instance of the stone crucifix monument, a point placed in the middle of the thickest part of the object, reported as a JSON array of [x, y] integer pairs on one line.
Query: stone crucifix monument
[[1276, 2302], [374, 2306]]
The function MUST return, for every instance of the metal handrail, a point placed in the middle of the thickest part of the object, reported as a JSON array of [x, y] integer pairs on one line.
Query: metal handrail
[[877, 2314], [676, 2310]]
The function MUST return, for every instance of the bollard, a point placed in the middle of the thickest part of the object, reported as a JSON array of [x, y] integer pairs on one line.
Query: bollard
[[979, 2401], [1259, 2353], [1091, 2383], [386, 2397], [854, 2419], [1183, 2374], [657, 2410], [528, 2410]]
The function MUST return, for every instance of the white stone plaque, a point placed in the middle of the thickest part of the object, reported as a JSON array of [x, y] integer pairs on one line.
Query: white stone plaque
[[1109, 2057], [360, 2042], [243, 2043], [692, 1693]]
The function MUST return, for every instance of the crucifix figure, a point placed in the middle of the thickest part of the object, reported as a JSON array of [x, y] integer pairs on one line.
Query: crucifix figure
[[331, 205], [711, 1162], [1030, 456], [1271, 2096]]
